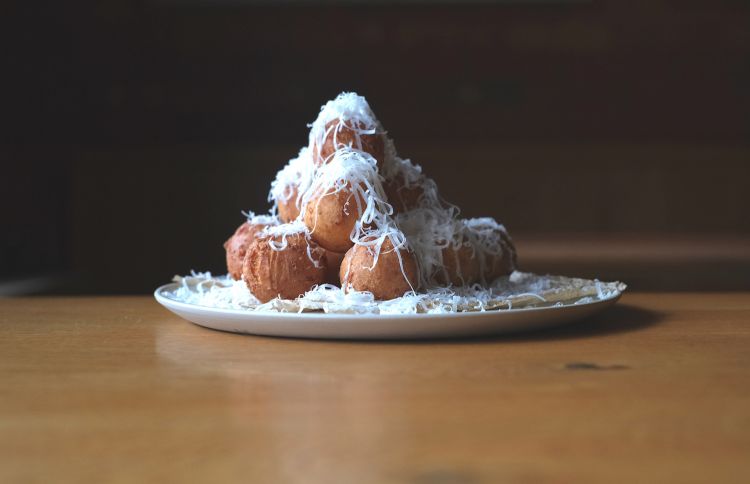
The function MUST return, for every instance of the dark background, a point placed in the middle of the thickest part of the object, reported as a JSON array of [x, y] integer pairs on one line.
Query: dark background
[[611, 137]]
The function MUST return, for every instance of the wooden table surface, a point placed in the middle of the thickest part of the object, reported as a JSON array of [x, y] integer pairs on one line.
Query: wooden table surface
[[117, 389]]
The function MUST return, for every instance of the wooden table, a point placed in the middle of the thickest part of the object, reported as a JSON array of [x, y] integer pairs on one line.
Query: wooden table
[[117, 389]]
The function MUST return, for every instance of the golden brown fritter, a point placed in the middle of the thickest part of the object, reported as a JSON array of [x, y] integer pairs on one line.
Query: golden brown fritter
[[333, 264], [236, 247], [330, 218], [288, 210], [503, 264], [286, 273], [461, 266], [346, 136], [386, 279], [401, 197]]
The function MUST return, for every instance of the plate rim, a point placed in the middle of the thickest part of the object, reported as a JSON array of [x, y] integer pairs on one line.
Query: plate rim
[[162, 299]]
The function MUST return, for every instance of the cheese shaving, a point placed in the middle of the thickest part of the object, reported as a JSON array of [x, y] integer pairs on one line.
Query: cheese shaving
[[518, 291], [262, 219]]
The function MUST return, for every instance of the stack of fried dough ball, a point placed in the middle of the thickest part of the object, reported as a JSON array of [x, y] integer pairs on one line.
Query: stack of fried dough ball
[[349, 212]]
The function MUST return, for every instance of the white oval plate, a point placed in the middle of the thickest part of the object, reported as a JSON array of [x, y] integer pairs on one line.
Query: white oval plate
[[369, 326]]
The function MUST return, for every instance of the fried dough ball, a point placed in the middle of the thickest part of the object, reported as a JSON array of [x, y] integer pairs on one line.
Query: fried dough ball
[[333, 265], [345, 135], [401, 197], [236, 247], [286, 273], [330, 218], [503, 264], [461, 266], [290, 181], [288, 210], [386, 280], [493, 245]]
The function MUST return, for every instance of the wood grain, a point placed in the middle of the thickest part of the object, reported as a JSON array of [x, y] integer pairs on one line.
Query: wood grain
[[119, 390]]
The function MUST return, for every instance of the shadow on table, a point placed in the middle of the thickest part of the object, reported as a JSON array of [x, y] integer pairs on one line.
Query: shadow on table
[[621, 318]]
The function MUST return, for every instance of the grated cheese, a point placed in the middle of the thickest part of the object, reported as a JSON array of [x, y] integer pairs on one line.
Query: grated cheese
[[354, 113], [517, 291]]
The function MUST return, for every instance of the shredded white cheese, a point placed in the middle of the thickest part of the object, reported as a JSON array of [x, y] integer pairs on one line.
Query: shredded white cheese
[[295, 176], [354, 113], [519, 290], [262, 219]]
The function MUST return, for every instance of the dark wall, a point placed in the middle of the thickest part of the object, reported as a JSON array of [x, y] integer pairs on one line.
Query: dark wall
[[135, 132]]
